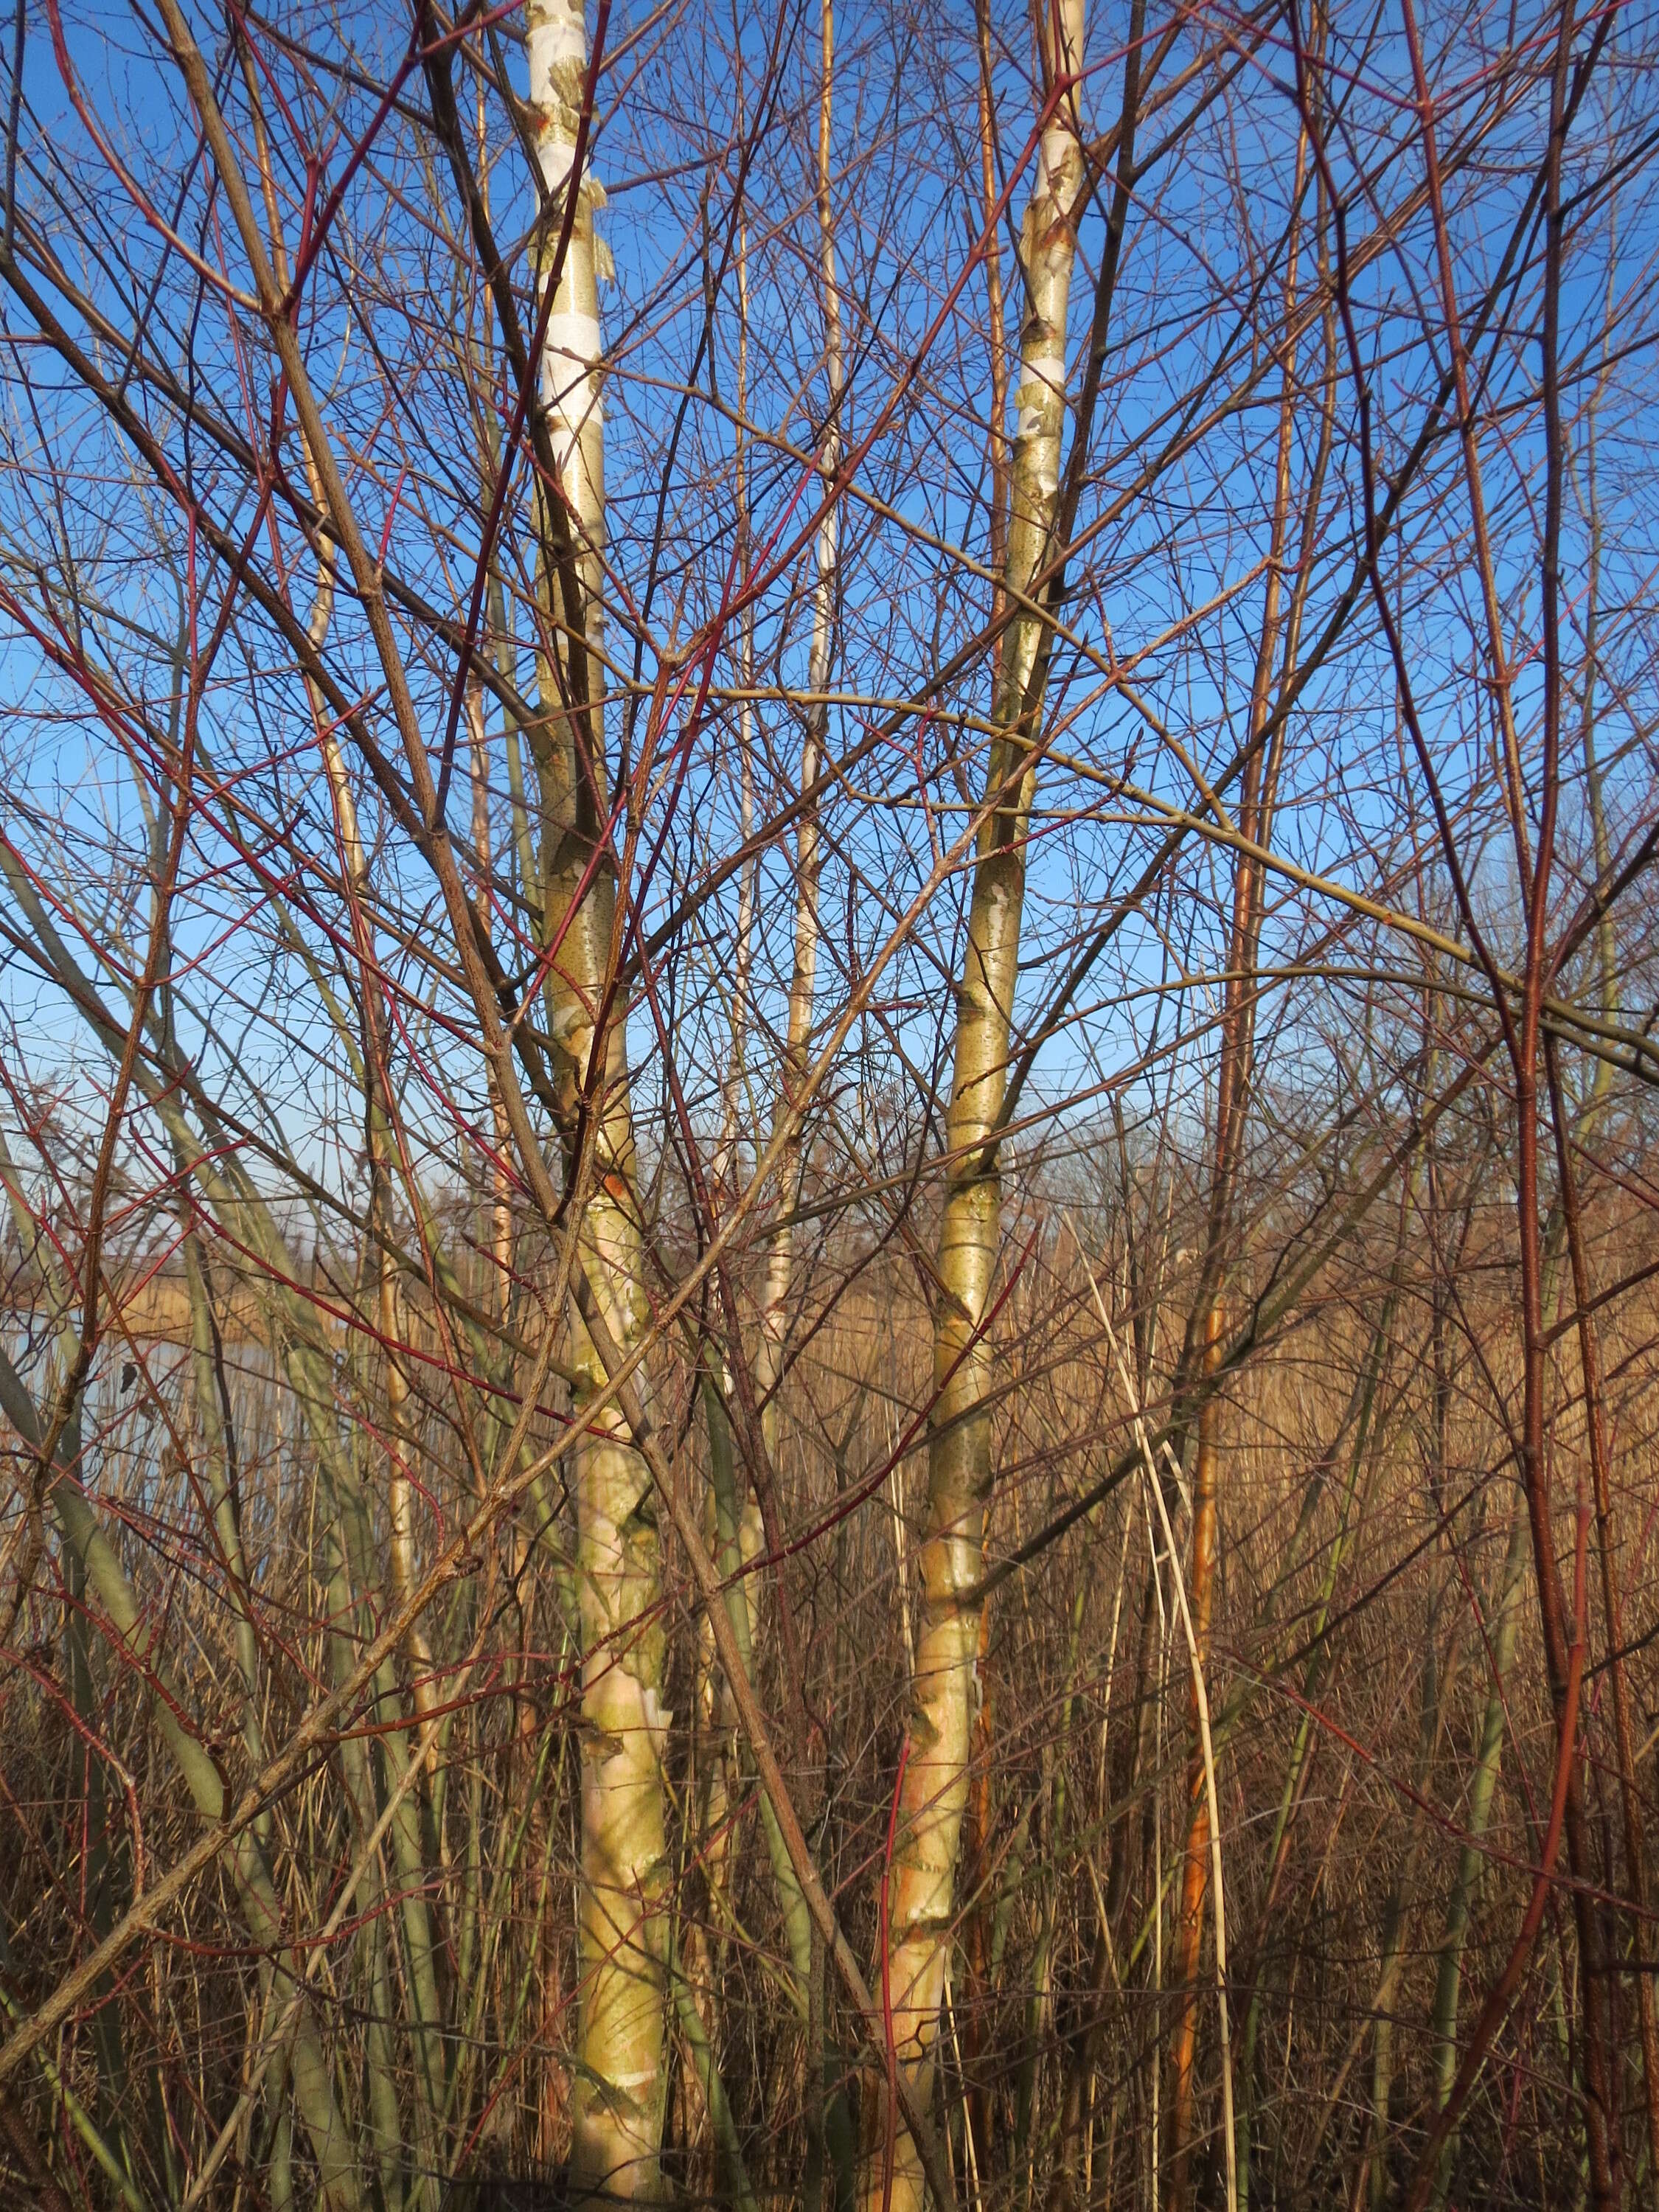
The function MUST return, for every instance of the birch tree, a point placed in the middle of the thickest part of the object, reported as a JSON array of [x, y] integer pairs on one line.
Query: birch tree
[[932, 1791], [619, 2089], [826, 1351]]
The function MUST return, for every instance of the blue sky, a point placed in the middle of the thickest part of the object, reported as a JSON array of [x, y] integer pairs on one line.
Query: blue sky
[[1171, 583]]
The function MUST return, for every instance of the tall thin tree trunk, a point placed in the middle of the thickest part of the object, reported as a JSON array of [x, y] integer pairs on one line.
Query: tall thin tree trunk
[[1256, 804], [934, 1787], [618, 2113], [975, 1997], [779, 1249]]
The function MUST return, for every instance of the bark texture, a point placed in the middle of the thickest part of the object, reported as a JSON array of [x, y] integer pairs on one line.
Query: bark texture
[[944, 1697], [617, 2103]]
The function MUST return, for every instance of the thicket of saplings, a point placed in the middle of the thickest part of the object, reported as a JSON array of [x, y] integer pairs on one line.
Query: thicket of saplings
[[1382, 1728]]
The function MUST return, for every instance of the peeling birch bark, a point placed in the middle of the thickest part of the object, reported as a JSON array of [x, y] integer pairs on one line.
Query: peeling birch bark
[[618, 2106], [943, 1688]]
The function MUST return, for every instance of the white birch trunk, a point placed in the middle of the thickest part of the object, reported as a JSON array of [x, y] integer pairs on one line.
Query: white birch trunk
[[617, 2103], [943, 1688], [778, 1274], [780, 1249]]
